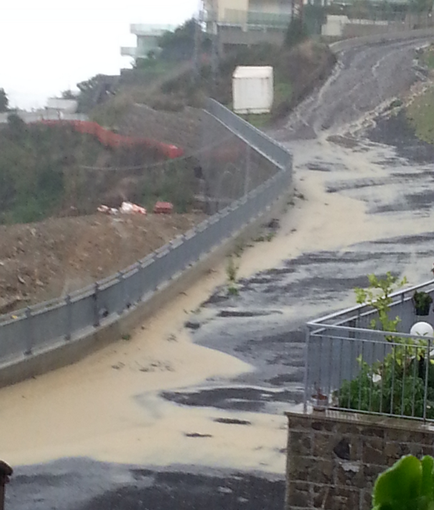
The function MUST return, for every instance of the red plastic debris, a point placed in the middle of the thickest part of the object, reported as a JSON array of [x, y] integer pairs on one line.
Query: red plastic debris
[[163, 208]]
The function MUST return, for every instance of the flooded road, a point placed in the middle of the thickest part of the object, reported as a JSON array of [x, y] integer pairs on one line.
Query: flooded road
[[188, 413]]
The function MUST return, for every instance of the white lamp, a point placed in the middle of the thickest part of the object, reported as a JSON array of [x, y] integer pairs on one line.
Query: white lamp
[[422, 329]]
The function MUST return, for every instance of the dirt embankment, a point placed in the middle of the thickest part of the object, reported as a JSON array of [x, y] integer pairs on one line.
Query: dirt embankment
[[298, 72], [179, 128], [48, 259], [43, 260]]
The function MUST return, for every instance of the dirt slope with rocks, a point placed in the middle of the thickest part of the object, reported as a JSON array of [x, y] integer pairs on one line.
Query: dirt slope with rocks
[[44, 260]]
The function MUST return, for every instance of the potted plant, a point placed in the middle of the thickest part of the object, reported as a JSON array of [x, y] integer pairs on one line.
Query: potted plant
[[422, 302]]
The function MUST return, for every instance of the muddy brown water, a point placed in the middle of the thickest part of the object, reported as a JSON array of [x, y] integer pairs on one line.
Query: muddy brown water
[[208, 401]]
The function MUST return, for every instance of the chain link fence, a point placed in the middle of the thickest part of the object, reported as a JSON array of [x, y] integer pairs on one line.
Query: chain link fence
[[243, 172]]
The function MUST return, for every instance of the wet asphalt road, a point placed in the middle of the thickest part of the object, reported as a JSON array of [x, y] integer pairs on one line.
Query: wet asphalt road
[[264, 324]]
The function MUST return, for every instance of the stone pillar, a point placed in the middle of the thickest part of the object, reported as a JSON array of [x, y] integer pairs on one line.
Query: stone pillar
[[333, 459]]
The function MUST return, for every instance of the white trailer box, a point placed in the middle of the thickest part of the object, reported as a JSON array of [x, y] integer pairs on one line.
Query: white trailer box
[[252, 89]]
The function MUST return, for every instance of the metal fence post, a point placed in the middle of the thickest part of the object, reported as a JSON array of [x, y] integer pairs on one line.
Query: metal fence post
[[96, 321], [427, 365], [306, 363], [247, 170], [68, 317], [5, 472], [29, 332], [121, 281]]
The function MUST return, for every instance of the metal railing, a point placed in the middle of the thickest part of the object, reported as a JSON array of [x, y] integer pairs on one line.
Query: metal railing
[[351, 367], [253, 19], [44, 326]]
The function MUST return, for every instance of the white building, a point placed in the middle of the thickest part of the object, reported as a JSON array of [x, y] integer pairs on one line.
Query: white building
[[247, 22], [147, 39]]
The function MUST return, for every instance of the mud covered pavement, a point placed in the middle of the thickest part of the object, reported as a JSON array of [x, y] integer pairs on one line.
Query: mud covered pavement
[[175, 423]]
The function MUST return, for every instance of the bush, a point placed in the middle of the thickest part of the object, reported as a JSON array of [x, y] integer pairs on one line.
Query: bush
[[296, 33], [395, 386], [173, 182]]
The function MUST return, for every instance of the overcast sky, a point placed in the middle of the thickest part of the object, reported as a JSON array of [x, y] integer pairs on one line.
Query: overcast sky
[[47, 46]]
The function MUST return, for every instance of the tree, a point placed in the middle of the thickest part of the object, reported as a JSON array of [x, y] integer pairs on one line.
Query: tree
[[296, 33], [16, 127], [68, 94], [4, 101], [180, 43], [421, 6]]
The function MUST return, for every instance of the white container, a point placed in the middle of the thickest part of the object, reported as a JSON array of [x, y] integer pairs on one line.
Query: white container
[[252, 89]]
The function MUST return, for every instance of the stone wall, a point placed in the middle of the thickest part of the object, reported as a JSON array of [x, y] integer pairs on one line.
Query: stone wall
[[333, 459]]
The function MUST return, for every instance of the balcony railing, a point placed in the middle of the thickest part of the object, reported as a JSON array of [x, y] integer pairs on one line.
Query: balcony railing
[[253, 19], [128, 51], [150, 29], [351, 367]]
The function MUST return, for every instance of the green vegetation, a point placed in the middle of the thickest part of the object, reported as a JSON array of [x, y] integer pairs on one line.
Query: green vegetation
[[377, 295], [422, 302], [231, 273], [407, 485], [109, 113], [42, 174], [296, 70], [179, 45], [420, 114], [4, 101], [395, 385], [296, 33], [172, 181], [33, 165], [427, 57]]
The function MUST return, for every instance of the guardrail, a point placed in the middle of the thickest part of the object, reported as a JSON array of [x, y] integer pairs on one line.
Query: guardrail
[[234, 17], [47, 326], [349, 366]]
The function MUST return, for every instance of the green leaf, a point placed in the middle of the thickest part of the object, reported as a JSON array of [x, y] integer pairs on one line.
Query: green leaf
[[427, 488], [407, 485]]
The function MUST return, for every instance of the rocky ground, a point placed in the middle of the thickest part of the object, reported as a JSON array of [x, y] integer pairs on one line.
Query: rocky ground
[[44, 260]]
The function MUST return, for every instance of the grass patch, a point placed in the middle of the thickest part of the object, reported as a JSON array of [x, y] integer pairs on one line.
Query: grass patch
[[420, 114], [172, 182], [427, 57], [258, 120], [281, 103], [110, 113]]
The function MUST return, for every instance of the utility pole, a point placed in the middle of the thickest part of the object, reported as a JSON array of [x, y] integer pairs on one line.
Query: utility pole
[[197, 48], [214, 40], [198, 42]]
